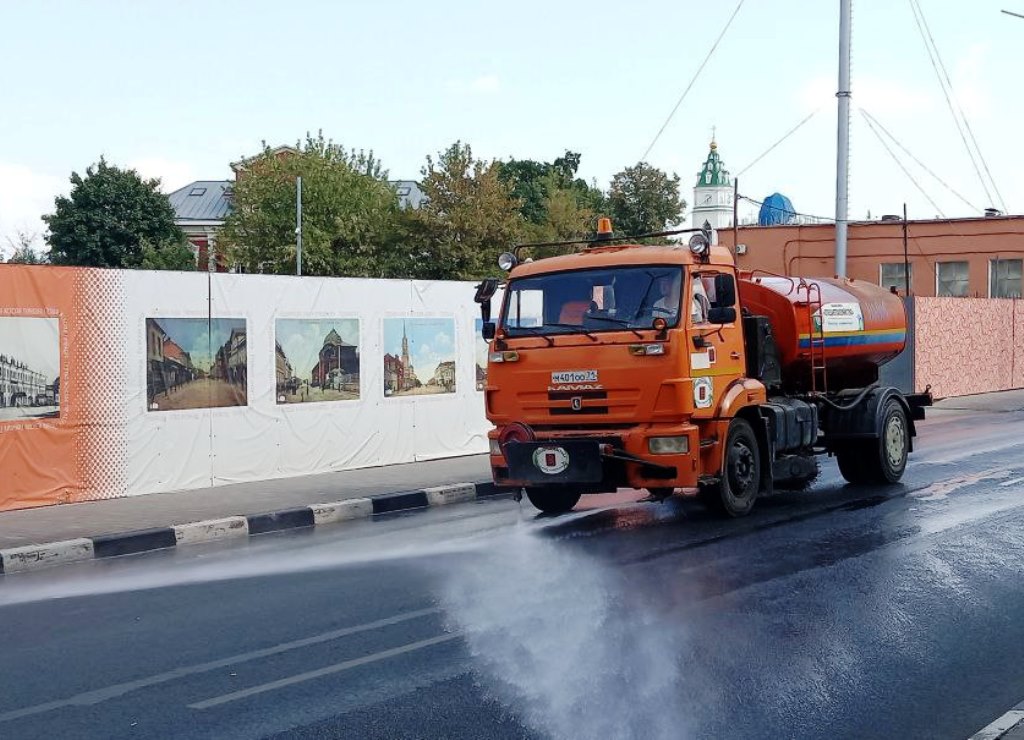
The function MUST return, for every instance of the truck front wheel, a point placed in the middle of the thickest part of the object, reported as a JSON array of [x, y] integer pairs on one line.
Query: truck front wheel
[[553, 500], [735, 493], [883, 460]]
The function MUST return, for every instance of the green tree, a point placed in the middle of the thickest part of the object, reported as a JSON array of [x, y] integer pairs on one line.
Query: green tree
[[642, 199], [470, 216], [535, 185], [24, 251], [566, 215], [350, 214], [171, 255], [108, 216]]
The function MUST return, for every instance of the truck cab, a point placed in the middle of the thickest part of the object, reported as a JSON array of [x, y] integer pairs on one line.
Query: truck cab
[[629, 366]]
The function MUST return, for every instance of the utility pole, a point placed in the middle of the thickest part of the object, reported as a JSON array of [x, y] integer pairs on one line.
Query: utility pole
[[843, 143], [735, 213], [298, 225], [906, 259]]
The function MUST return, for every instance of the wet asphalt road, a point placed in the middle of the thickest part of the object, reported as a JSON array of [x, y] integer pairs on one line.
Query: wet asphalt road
[[839, 612]]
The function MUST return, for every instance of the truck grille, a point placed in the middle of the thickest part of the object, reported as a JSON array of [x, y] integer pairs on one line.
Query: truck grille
[[562, 404]]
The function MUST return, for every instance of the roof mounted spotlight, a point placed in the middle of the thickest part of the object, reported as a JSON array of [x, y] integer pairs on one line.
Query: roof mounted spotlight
[[699, 245], [506, 261]]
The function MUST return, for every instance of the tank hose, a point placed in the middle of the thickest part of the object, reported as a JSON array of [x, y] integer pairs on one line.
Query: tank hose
[[843, 407]]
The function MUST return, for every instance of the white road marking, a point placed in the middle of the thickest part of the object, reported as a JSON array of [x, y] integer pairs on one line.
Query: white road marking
[[1013, 482], [326, 671], [998, 728], [111, 692]]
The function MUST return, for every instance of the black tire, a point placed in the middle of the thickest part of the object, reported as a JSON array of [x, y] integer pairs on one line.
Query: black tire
[[553, 500], [879, 461], [735, 493]]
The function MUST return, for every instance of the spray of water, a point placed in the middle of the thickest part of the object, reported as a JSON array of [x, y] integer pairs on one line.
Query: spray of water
[[561, 641]]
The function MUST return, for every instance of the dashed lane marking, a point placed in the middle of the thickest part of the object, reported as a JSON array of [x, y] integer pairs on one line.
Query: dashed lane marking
[[326, 671], [111, 692]]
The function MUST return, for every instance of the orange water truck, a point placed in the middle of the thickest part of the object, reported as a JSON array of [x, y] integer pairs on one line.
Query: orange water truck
[[627, 365]]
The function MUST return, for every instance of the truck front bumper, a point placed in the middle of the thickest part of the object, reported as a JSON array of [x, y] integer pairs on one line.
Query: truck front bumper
[[598, 462]]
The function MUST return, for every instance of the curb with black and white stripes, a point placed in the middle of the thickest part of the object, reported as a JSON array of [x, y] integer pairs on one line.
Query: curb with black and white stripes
[[1010, 723], [32, 557]]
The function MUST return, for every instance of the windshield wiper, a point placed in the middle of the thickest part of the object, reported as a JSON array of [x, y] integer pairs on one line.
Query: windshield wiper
[[536, 332], [620, 322], [574, 326]]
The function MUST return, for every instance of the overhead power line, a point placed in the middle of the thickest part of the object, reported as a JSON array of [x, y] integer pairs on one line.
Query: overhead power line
[[785, 136], [901, 166], [692, 81], [919, 163], [954, 106]]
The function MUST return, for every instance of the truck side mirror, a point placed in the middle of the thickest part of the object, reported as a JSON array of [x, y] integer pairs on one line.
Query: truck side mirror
[[725, 291], [484, 292], [488, 330]]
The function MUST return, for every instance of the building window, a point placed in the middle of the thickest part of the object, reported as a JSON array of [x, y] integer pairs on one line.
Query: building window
[[197, 191], [893, 276], [951, 279], [1004, 278]]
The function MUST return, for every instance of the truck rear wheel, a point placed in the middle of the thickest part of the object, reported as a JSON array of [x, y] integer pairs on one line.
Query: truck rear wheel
[[735, 493], [553, 500], [883, 460]]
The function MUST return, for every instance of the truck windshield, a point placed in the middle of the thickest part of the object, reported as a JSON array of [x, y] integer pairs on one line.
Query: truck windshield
[[611, 299]]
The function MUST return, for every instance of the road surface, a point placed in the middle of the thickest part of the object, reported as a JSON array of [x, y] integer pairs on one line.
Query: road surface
[[839, 612]]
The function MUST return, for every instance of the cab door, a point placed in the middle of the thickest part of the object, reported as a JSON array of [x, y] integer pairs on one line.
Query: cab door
[[716, 337]]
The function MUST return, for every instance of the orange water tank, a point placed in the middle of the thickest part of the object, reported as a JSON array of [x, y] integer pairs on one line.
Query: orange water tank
[[854, 325]]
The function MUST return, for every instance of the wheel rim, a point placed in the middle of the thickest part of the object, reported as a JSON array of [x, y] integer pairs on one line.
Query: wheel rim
[[895, 440], [741, 470]]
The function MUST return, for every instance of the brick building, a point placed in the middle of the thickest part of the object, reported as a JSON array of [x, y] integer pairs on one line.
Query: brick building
[[979, 257]]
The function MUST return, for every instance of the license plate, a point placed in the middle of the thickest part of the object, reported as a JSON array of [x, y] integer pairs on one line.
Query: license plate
[[574, 376]]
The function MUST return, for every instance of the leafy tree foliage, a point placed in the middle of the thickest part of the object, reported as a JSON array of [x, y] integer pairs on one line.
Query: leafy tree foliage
[[171, 255], [642, 199], [470, 216], [24, 251], [350, 214], [108, 216], [537, 186]]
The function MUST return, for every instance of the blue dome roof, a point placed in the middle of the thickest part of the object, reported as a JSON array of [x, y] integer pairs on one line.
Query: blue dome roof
[[776, 209]]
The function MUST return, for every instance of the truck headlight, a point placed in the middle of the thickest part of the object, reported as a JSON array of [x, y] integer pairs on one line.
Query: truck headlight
[[668, 445], [495, 447]]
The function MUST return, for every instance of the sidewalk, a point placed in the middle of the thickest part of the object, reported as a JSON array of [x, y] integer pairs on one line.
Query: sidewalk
[[997, 401], [95, 519]]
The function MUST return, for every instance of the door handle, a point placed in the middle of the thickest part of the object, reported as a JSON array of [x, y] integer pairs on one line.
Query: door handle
[[734, 355]]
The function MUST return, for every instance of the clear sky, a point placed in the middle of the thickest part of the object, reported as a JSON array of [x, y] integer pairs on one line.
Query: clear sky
[[180, 89]]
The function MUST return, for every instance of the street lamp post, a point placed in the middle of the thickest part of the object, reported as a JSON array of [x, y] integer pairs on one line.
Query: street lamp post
[[298, 225]]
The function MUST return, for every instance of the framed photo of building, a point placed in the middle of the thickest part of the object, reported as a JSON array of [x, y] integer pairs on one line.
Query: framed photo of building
[[316, 360], [419, 356], [196, 363], [29, 368]]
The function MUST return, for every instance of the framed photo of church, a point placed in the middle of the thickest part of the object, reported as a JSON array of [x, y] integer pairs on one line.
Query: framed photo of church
[[316, 360], [419, 356]]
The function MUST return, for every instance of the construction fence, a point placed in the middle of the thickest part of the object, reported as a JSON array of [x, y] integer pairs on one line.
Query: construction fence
[[116, 383]]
